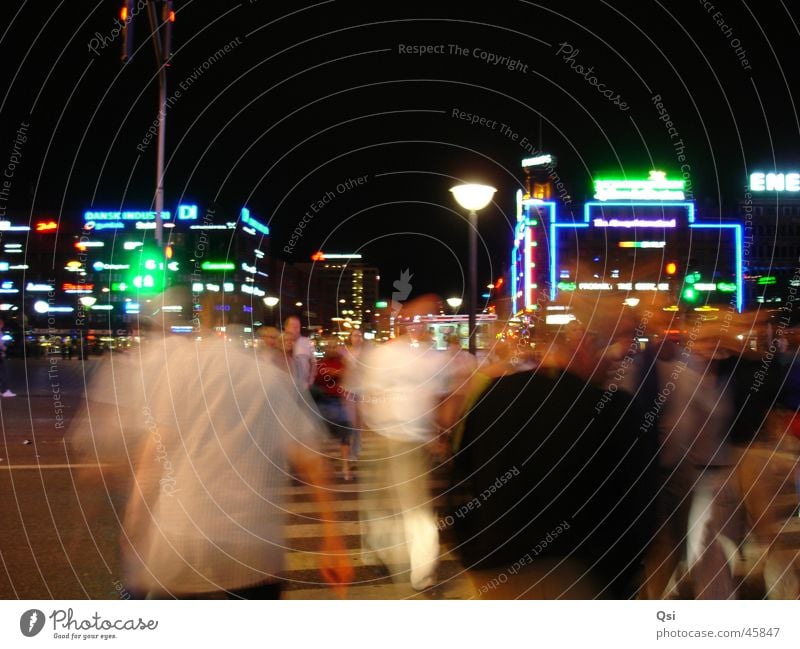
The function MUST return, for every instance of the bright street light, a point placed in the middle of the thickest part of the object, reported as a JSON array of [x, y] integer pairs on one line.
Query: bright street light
[[271, 301], [473, 197], [454, 302]]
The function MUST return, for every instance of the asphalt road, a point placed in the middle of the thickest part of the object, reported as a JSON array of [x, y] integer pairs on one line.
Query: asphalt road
[[58, 537]]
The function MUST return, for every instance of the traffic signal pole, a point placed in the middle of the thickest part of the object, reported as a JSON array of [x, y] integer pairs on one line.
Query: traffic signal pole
[[161, 60]]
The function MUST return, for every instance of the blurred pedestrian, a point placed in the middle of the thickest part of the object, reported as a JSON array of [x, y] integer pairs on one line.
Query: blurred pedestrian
[[304, 358], [205, 517], [553, 483], [405, 384], [330, 397]]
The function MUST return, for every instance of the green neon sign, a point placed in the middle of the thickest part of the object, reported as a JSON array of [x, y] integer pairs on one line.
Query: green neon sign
[[567, 286], [655, 188], [381, 304], [763, 281], [218, 265], [726, 287]]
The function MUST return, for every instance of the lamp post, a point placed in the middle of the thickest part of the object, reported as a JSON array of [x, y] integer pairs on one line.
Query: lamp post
[[271, 301], [473, 197]]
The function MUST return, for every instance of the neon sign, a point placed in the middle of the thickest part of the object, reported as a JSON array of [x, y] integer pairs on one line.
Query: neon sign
[[46, 226], [255, 225], [218, 265], [538, 160], [634, 223], [775, 182], [103, 225], [655, 188], [642, 244]]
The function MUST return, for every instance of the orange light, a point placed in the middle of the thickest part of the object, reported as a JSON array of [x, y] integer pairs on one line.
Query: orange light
[[498, 283], [318, 256], [672, 268], [123, 13], [46, 226], [168, 252], [172, 16]]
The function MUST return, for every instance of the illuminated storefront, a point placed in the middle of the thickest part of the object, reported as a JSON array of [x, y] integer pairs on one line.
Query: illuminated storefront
[[637, 237]]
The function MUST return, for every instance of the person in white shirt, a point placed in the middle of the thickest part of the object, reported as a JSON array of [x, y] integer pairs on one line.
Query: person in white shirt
[[305, 362], [404, 384]]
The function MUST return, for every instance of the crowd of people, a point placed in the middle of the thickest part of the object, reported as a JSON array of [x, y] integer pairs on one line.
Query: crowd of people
[[613, 463]]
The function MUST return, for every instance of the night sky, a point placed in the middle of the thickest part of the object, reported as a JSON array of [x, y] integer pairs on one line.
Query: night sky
[[312, 95]]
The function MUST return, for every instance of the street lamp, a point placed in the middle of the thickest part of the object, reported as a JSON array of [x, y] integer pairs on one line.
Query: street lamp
[[271, 301], [473, 197], [454, 303]]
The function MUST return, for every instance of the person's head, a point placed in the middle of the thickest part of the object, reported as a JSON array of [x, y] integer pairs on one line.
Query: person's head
[[412, 312], [356, 338], [292, 327], [269, 337]]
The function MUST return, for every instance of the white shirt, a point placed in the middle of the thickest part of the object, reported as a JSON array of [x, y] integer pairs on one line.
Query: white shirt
[[221, 419], [402, 385]]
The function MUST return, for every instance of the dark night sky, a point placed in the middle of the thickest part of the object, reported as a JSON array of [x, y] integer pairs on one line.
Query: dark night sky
[[312, 94]]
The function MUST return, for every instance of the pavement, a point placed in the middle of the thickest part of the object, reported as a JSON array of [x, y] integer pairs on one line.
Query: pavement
[[59, 536]]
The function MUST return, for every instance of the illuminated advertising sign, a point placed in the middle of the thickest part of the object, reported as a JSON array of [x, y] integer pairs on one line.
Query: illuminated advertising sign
[[104, 225], [39, 288], [133, 215], [634, 223], [655, 188], [69, 287], [46, 226], [218, 265], [250, 221], [536, 161], [642, 244], [7, 227], [775, 182], [185, 212]]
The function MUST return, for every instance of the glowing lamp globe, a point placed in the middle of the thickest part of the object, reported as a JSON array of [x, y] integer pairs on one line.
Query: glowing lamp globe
[[472, 196]]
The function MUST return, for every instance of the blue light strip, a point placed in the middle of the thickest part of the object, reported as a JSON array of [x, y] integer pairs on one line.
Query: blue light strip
[[514, 279], [689, 205], [246, 218], [737, 228], [553, 252]]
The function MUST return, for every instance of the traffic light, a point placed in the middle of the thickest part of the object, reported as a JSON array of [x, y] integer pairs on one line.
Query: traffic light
[[671, 268], [126, 18], [146, 273], [689, 294]]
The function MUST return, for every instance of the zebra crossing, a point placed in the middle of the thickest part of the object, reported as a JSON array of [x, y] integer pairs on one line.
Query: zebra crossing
[[304, 539], [303, 534]]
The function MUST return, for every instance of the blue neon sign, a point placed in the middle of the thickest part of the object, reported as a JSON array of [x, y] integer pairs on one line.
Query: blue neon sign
[[249, 220]]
